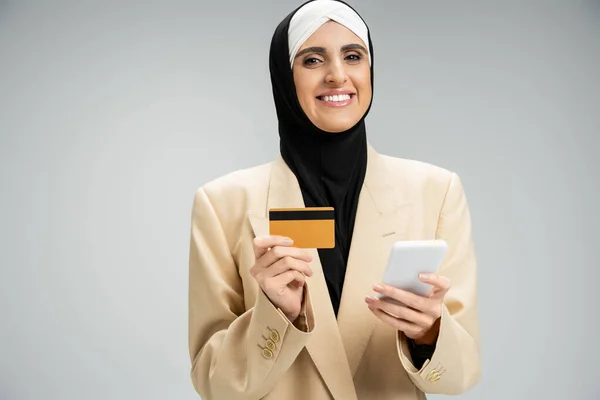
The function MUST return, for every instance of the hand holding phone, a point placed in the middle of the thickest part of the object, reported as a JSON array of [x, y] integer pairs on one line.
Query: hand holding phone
[[406, 302]]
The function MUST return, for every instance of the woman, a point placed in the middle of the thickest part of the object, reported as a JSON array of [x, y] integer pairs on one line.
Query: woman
[[268, 320]]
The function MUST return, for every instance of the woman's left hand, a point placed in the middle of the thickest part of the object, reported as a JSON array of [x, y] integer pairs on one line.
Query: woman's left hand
[[419, 318]]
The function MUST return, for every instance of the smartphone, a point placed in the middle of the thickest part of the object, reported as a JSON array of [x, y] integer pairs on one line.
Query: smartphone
[[408, 259]]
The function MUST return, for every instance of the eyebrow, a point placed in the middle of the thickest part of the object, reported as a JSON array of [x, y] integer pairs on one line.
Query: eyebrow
[[354, 46], [315, 49]]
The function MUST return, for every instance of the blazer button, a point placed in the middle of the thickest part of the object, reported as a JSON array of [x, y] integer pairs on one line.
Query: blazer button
[[270, 345], [274, 335], [268, 354], [433, 376]]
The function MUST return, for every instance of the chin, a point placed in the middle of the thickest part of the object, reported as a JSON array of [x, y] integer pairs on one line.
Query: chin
[[336, 127]]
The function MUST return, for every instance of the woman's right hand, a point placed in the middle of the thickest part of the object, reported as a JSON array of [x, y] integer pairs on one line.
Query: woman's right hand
[[280, 271]]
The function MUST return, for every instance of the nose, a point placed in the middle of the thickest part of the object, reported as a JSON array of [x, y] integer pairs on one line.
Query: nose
[[336, 75]]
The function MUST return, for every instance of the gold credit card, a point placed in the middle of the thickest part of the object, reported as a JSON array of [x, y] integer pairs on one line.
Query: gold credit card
[[310, 227]]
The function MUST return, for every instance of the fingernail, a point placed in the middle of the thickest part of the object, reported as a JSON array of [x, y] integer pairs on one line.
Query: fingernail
[[369, 299], [288, 241], [424, 276], [377, 287]]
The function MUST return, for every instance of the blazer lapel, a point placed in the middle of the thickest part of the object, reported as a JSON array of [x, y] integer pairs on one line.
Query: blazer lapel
[[325, 347], [382, 218]]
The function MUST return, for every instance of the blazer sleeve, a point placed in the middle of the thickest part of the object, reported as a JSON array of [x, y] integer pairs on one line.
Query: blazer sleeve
[[235, 353], [455, 365]]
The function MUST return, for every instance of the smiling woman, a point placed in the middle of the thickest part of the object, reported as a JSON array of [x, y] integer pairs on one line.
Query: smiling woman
[[271, 320], [332, 76]]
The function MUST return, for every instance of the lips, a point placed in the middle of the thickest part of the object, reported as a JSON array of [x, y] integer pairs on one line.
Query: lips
[[336, 97], [336, 100]]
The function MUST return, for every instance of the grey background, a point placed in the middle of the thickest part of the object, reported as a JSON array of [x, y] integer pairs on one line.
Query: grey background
[[113, 113]]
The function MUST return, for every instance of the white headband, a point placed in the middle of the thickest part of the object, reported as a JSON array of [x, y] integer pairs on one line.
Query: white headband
[[314, 14]]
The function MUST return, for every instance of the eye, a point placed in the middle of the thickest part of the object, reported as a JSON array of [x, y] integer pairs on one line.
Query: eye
[[311, 61], [354, 57]]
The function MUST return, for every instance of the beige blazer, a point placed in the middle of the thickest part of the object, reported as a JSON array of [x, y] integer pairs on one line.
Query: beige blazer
[[242, 347]]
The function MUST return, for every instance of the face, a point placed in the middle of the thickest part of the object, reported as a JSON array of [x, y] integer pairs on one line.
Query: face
[[333, 78]]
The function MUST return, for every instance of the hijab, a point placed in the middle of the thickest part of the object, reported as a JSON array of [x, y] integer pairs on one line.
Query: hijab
[[330, 167]]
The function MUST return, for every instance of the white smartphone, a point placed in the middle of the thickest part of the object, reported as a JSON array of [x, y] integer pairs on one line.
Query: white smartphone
[[408, 259]]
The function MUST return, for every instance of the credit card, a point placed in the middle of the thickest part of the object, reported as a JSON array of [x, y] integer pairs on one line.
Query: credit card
[[310, 227]]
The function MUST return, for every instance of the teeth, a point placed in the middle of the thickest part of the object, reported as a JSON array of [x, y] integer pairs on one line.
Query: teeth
[[340, 97]]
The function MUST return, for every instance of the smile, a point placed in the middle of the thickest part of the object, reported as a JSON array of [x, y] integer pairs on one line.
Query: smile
[[338, 100]]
